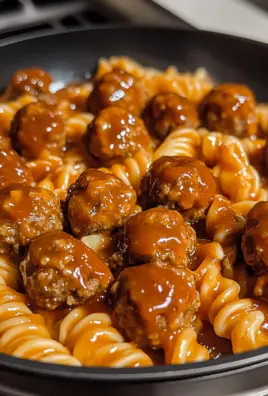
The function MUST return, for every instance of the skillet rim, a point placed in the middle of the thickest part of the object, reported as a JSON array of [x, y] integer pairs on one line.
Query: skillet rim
[[226, 365]]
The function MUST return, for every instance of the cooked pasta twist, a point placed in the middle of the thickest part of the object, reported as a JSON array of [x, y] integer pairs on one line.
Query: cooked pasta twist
[[233, 318], [76, 126], [9, 272], [132, 170], [194, 86], [184, 348], [24, 334], [182, 141], [9, 109], [225, 221], [94, 342], [262, 117], [253, 147], [238, 179]]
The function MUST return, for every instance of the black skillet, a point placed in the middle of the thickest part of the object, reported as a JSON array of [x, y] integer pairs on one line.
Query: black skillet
[[69, 56]]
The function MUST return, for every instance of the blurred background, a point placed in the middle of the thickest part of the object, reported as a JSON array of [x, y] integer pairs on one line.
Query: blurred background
[[245, 18]]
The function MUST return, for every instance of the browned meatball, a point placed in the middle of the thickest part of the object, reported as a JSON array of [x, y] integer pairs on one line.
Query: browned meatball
[[13, 169], [28, 81], [98, 201], [37, 127], [26, 213], [168, 111], [116, 134], [118, 88], [255, 238], [230, 109], [152, 301], [59, 269], [180, 183], [158, 233]]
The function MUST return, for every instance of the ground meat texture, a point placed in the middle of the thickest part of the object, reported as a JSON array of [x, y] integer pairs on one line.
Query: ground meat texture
[[117, 88], [152, 301], [38, 127], [255, 238], [32, 81], [115, 134], [230, 109], [27, 212], [158, 234], [13, 169], [98, 201], [60, 270], [168, 111], [180, 183]]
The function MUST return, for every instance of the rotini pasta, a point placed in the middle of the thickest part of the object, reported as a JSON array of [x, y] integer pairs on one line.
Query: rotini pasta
[[237, 319], [132, 170], [262, 117], [238, 179], [184, 348], [24, 334], [183, 141], [76, 126], [94, 342]]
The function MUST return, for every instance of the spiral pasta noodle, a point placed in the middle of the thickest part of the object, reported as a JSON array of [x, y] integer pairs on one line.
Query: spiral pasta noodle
[[182, 141], [262, 117], [132, 170], [76, 126], [184, 348], [238, 179], [24, 334], [193, 86], [9, 272], [94, 342], [9, 109], [233, 318]]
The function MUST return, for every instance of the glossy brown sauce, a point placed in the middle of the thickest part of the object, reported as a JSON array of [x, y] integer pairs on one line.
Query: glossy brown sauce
[[61, 251], [160, 292], [28, 81], [216, 346], [161, 233], [13, 169], [179, 182], [37, 127], [230, 109], [116, 88], [168, 111], [116, 134], [99, 201]]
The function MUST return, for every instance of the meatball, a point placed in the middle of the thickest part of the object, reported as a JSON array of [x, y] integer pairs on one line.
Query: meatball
[[180, 183], [117, 87], [158, 234], [98, 201], [230, 109], [28, 81], [76, 95], [154, 300], [37, 127], [58, 269], [255, 238], [168, 111], [13, 169], [27, 212], [116, 134]]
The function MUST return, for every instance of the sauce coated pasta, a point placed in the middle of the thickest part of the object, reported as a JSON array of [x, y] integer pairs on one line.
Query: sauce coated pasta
[[133, 218]]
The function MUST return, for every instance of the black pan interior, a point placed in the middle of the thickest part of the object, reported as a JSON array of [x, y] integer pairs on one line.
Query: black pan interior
[[70, 56]]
